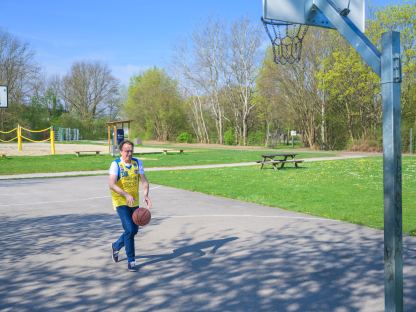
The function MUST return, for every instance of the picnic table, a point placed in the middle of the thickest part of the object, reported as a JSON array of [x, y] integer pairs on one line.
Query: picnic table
[[278, 161]]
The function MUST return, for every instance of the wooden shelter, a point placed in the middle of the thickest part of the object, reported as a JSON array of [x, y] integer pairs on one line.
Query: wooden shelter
[[114, 125]]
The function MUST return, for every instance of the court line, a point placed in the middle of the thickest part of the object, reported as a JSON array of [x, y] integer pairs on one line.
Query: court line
[[65, 201], [239, 216]]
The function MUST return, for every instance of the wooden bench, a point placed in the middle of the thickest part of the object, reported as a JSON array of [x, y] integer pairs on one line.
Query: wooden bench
[[165, 151], [81, 152], [3, 155]]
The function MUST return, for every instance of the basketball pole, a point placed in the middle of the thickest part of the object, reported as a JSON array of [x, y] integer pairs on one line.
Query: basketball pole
[[387, 65]]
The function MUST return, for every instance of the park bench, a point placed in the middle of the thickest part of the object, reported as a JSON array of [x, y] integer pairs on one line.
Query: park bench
[[165, 151], [2, 155], [82, 152]]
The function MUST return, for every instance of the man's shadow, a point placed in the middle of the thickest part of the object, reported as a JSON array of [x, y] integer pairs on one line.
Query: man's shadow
[[195, 250]]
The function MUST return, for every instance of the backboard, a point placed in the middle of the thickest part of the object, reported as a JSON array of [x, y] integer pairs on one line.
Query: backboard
[[303, 12], [3, 97]]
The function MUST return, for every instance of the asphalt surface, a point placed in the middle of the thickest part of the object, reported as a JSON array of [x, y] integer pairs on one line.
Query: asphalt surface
[[199, 253]]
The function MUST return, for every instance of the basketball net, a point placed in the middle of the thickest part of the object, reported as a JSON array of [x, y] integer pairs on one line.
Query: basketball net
[[286, 40]]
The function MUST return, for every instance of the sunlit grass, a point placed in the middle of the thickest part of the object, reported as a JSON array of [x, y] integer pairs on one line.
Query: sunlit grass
[[70, 162], [348, 190]]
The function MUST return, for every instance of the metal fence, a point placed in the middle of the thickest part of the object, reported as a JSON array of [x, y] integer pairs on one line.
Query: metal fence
[[66, 134]]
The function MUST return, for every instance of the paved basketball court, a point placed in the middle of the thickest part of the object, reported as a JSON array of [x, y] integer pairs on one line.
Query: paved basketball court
[[200, 253]]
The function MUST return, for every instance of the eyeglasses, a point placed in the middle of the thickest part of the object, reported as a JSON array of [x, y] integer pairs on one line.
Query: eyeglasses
[[127, 151]]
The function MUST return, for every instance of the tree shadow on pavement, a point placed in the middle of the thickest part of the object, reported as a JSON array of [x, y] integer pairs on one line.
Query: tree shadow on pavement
[[62, 262]]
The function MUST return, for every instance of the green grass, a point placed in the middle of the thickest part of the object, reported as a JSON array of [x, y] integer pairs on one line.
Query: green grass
[[69, 162], [348, 190]]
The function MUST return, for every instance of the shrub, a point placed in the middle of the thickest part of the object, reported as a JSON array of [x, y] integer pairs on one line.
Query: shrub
[[256, 138], [365, 145], [229, 137], [184, 137]]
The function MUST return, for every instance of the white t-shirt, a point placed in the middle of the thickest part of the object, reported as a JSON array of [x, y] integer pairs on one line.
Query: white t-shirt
[[114, 167]]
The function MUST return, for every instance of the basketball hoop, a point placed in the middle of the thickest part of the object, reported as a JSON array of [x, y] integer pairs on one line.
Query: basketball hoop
[[286, 40]]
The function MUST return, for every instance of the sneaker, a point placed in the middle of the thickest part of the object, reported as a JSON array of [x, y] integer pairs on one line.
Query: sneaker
[[114, 254], [132, 267]]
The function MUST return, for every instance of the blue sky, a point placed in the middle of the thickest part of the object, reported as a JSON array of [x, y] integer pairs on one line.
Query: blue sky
[[128, 35]]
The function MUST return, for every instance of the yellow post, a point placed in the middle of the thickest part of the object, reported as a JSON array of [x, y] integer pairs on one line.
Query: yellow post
[[52, 142], [109, 139], [115, 136], [19, 138]]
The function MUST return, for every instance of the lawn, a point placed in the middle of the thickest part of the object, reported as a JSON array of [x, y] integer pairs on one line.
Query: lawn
[[70, 162], [349, 190]]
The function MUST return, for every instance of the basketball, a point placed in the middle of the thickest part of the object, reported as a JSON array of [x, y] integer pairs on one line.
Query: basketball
[[141, 216]]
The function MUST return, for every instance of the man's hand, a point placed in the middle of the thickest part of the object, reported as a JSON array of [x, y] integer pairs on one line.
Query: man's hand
[[147, 201], [129, 199]]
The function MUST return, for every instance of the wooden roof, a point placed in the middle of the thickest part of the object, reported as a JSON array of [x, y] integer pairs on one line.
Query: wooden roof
[[117, 122]]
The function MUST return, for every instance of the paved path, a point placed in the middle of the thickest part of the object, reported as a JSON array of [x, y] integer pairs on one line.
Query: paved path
[[104, 172], [199, 253]]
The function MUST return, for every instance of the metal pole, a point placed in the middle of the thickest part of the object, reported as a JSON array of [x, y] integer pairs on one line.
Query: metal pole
[[411, 141], [390, 90]]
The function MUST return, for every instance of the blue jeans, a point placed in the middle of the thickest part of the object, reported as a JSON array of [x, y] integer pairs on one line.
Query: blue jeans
[[130, 230]]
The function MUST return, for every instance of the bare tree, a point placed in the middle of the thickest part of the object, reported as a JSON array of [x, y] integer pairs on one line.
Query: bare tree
[[190, 89], [88, 88], [243, 67], [18, 71], [197, 117], [203, 71]]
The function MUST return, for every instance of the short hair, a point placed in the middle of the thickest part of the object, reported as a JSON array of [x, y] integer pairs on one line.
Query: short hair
[[120, 146]]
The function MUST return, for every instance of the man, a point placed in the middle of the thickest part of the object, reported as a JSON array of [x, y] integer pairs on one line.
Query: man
[[124, 176]]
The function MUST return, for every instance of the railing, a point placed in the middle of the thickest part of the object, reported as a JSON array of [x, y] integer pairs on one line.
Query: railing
[[19, 137]]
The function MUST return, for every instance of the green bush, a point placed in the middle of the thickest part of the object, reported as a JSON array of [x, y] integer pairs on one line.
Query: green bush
[[229, 138], [256, 138], [184, 137]]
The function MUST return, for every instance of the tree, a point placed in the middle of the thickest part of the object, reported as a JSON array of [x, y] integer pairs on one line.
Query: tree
[[294, 88], [45, 106], [197, 116], [401, 18], [270, 108], [203, 71], [88, 88], [18, 71], [155, 104], [243, 70], [353, 90]]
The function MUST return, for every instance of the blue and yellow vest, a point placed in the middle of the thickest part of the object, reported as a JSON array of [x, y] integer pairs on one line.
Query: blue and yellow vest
[[128, 180]]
